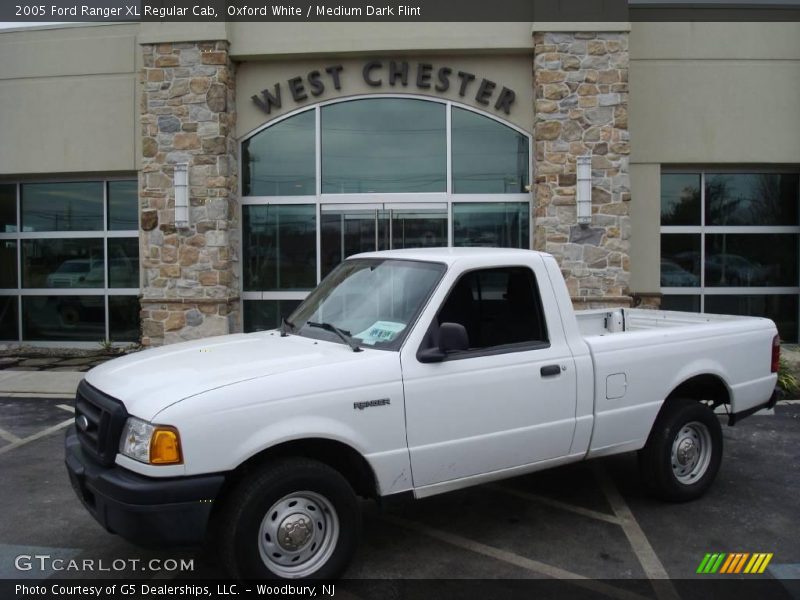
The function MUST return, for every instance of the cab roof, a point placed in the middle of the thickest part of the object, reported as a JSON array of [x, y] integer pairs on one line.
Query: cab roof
[[450, 256]]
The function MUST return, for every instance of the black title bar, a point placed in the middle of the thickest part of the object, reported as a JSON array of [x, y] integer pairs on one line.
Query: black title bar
[[114, 11]]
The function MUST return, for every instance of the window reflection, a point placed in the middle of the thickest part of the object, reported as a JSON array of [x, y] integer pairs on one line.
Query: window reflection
[[418, 228], [783, 309], [280, 247], [488, 157], [8, 318], [76, 206], [8, 263], [8, 208], [751, 260], [757, 199], [123, 318], [680, 303], [123, 262], [123, 205], [383, 145], [281, 161], [497, 225], [54, 318], [680, 260], [680, 199], [348, 232], [262, 315], [63, 263]]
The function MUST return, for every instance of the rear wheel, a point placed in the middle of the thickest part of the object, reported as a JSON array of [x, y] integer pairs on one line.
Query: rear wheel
[[294, 519], [684, 451]]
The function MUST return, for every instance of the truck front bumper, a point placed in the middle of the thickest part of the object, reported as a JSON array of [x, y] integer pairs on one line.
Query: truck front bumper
[[144, 510]]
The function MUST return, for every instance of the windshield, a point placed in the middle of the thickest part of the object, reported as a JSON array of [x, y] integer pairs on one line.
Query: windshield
[[374, 301]]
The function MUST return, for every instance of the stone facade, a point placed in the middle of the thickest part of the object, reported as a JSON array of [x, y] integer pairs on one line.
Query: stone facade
[[581, 108], [190, 274]]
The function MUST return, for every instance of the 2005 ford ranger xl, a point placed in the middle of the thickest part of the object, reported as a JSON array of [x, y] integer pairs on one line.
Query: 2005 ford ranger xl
[[417, 371]]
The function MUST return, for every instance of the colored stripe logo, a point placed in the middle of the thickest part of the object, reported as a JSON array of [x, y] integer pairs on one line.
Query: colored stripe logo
[[734, 562]]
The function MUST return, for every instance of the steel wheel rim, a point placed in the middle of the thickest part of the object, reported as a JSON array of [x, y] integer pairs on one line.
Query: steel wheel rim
[[691, 452], [298, 534]]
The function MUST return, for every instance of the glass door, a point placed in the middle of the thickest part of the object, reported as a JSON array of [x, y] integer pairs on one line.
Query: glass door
[[350, 229]]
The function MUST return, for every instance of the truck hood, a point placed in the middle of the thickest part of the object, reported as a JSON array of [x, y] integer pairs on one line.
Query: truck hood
[[149, 381]]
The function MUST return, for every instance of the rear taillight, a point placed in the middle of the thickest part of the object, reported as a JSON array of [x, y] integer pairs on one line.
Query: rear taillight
[[776, 353]]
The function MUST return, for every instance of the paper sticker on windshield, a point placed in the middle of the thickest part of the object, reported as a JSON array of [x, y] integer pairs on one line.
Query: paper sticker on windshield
[[380, 331]]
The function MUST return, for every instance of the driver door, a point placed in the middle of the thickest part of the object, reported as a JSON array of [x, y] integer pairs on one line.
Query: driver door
[[508, 401]]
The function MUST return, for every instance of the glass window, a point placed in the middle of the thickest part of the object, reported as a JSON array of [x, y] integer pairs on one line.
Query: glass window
[[76, 206], [61, 318], [63, 263], [499, 224], [680, 199], [497, 307], [123, 262], [349, 232], [279, 244], [262, 315], [383, 145], [681, 303], [123, 205], [488, 157], [123, 318], [8, 208], [418, 228], [781, 308], [373, 300], [680, 260], [734, 260], [8, 263], [755, 199], [8, 318], [281, 160]]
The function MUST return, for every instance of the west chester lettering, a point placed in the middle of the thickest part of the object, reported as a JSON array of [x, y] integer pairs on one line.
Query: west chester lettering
[[393, 73]]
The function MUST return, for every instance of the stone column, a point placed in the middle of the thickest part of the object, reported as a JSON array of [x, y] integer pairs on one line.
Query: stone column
[[581, 96], [191, 286]]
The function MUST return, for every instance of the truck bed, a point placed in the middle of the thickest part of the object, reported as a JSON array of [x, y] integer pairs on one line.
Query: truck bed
[[640, 356], [605, 321]]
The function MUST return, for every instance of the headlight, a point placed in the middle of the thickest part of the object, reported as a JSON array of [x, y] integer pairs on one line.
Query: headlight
[[152, 444]]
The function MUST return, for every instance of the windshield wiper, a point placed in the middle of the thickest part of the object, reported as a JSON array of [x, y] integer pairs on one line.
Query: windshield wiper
[[285, 324], [344, 335]]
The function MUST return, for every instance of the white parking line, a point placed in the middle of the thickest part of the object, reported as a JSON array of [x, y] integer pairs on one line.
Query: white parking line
[[65, 407], [586, 512], [648, 558], [8, 436], [529, 564], [36, 436]]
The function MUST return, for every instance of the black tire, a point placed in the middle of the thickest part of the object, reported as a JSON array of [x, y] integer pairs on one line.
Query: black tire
[[246, 511], [684, 424]]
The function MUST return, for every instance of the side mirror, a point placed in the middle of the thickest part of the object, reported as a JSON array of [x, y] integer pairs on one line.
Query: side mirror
[[452, 338]]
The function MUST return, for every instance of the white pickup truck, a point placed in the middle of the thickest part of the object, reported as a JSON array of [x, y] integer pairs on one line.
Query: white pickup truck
[[417, 371]]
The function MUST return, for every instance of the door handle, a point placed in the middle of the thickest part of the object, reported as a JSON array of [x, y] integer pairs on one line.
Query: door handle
[[550, 370]]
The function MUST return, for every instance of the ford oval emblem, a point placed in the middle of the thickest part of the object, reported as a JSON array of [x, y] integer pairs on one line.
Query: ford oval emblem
[[82, 422]]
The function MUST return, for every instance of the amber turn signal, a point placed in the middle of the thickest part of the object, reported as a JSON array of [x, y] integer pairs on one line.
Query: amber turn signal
[[165, 446]]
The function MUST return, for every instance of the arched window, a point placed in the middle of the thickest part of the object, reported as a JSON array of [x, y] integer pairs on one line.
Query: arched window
[[367, 174]]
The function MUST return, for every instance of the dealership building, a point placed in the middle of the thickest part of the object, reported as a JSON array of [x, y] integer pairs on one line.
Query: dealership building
[[168, 181]]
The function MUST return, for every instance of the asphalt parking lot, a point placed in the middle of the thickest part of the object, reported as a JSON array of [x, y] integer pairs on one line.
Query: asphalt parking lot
[[590, 520]]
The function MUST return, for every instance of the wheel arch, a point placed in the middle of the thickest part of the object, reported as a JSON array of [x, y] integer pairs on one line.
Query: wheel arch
[[706, 386], [341, 457]]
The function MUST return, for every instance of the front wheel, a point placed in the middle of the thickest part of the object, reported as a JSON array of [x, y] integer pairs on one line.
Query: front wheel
[[293, 519], [684, 451]]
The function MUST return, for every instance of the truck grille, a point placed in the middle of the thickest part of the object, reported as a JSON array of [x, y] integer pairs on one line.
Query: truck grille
[[99, 420]]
